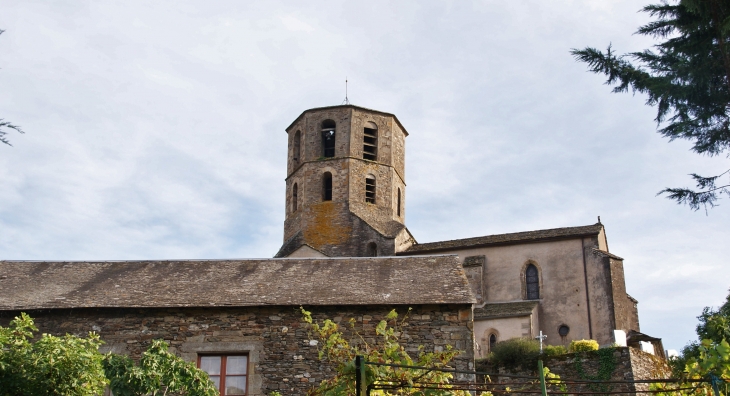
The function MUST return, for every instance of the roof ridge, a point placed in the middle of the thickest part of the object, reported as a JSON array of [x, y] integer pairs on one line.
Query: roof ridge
[[301, 281], [510, 238], [350, 106]]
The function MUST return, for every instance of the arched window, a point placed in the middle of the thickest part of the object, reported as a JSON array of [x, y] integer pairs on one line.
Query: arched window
[[370, 189], [327, 186], [372, 249], [296, 147], [397, 209], [370, 142], [492, 341], [328, 138], [532, 282], [294, 197]]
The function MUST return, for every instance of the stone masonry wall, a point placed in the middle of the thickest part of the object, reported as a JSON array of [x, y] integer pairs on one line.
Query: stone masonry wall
[[623, 307], [630, 364], [602, 308], [329, 226], [333, 230], [282, 355]]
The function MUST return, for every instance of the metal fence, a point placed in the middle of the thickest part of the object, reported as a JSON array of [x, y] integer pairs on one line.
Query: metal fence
[[539, 382]]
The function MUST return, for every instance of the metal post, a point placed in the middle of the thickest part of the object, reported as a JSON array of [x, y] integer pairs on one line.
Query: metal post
[[714, 381], [543, 388], [360, 383]]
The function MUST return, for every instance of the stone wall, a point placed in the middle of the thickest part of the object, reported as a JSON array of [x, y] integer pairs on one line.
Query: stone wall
[[627, 317], [630, 364], [332, 228], [562, 283], [282, 355]]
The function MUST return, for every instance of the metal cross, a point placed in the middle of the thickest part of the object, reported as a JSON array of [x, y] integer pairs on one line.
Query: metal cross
[[541, 337]]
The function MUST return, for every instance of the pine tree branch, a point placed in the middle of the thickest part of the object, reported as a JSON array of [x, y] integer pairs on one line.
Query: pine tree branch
[[708, 195], [8, 125], [721, 40]]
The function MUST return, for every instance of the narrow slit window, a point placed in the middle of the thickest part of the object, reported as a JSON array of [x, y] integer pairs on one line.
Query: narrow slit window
[[397, 209], [372, 249], [328, 139], [327, 187], [370, 189], [294, 197], [370, 142], [492, 341], [532, 282], [296, 147]]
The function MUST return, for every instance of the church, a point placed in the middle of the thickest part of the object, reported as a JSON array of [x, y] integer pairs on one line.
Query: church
[[346, 253], [346, 197]]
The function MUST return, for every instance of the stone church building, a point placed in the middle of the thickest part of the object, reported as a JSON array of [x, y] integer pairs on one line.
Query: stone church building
[[346, 197], [347, 253]]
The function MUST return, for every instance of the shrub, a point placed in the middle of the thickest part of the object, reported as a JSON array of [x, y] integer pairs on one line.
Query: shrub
[[554, 350], [583, 345], [521, 352]]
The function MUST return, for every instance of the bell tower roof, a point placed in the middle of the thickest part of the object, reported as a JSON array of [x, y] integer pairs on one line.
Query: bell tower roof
[[348, 106], [345, 184]]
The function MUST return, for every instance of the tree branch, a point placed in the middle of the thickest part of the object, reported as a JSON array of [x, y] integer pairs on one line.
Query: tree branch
[[708, 194], [8, 125]]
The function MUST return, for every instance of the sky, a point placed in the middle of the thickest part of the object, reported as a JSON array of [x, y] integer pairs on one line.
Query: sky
[[155, 130]]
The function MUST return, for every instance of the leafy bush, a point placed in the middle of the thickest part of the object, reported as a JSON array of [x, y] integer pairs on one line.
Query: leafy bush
[[72, 365], [159, 371], [554, 350], [51, 365], [386, 347], [522, 352], [583, 345]]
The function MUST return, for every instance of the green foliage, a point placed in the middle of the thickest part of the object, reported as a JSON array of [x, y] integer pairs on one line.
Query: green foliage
[[341, 353], [553, 382], [707, 359], [714, 325], [606, 366], [712, 362], [554, 350], [73, 366], [583, 345], [521, 352], [67, 365], [687, 76], [159, 372]]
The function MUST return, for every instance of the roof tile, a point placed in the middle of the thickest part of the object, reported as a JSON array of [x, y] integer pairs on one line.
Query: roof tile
[[506, 239], [318, 281]]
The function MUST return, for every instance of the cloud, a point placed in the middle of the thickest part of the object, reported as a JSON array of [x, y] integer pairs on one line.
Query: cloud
[[156, 130], [295, 25]]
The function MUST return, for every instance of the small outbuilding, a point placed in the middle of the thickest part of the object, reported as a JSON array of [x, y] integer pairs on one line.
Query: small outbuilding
[[243, 313]]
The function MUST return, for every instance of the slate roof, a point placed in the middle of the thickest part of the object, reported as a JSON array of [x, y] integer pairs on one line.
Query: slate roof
[[607, 254], [352, 107], [504, 310], [507, 239], [203, 283], [386, 228], [291, 245]]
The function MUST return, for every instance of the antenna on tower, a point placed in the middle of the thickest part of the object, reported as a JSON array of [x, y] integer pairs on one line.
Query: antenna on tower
[[346, 101]]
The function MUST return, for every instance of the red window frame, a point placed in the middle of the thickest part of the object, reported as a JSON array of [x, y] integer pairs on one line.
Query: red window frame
[[223, 374]]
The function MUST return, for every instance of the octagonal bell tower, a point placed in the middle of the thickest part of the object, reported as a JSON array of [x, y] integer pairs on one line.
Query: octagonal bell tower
[[345, 185]]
